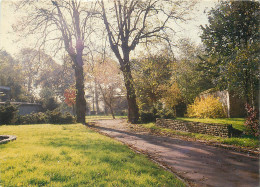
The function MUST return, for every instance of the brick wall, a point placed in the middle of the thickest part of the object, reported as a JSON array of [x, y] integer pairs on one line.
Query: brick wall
[[196, 127]]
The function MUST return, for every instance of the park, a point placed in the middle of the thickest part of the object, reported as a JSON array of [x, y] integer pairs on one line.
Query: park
[[129, 93]]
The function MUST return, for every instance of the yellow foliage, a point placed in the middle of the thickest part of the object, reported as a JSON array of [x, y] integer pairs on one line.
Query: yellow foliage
[[209, 107], [170, 94]]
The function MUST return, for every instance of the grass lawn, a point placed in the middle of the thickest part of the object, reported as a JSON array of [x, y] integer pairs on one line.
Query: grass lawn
[[72, 155], [237, 123], [101, 117]]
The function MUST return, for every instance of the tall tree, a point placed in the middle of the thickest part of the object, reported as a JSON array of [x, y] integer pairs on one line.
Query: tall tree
[[63, 24], [189, 71], [232, 42], [130, 22]]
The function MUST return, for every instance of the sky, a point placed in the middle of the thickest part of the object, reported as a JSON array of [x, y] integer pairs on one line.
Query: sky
[[8, 38]]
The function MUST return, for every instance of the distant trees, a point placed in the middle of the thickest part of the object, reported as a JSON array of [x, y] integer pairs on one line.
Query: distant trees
[[108, 82], [131, 22], [10, 76], [232, 43], [36, 67]]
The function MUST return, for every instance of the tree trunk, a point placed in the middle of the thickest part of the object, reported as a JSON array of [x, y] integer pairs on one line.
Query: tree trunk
[[80, 98], [133, 111], [112, 111], [96, 98], [73, 109]]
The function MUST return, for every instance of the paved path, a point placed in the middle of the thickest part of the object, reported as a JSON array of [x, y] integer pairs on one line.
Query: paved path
[[197, 163]]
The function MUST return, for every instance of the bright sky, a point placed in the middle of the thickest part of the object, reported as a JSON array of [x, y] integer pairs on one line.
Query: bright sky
[[8, 39]]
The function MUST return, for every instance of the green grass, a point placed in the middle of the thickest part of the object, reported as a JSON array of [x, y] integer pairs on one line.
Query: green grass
[[237, 123], [102, 117], [244, 141], [72, 155]]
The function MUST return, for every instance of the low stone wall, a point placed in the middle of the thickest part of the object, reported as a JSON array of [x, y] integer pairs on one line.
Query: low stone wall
[[6, 138], [196, 127]]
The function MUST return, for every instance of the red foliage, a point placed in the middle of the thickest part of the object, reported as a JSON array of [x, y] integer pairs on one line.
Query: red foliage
[[252, 122], [70, 96]]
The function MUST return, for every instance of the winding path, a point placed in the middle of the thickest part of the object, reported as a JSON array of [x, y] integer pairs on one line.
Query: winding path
[[197, 163]]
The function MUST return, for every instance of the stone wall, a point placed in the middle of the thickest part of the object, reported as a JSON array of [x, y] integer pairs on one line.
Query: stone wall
[[196, 127]]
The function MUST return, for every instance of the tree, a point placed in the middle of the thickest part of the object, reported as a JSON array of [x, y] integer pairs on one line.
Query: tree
[[107, 77], [131, 22], [48, 99], [35, 67], [57, 77], [232, 42], [152, 78], [11, 76], [63, 24], [191, 78], [70, 98]]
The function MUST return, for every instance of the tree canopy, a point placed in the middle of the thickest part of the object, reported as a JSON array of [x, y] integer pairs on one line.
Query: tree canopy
[[232, 42]]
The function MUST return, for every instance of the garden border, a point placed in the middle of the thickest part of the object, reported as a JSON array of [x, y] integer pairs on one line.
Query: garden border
[[214, 129]]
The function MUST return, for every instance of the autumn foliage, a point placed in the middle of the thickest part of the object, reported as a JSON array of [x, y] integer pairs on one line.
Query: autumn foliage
[[70, 96], [209, 107], [252, 121]]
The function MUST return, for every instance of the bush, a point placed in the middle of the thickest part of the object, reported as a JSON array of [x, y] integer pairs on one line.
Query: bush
[[50, 104], [67, 118], [8, 114], [34, 118], [252, 121], [166, 113], [55, 117], [156, 112], [147, 117], [209, 107]]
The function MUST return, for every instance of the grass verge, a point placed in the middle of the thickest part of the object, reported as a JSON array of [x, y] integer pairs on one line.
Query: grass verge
[[237, 123], [72, 155], [244, 141], [102, 117]]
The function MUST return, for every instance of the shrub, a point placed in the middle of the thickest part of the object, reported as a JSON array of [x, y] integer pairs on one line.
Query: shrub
[[54, 116], [209, 107], [8, 114], [147, 117], [57, 117], [252, 121], [50, 104], [34, 118], [157, 112], [166, 113], [67, 118]]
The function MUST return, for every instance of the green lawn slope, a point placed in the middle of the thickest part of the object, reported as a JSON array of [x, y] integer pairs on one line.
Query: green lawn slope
[[73, 155]]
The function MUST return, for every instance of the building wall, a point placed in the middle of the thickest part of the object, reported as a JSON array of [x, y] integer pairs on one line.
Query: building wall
[[25, 109]]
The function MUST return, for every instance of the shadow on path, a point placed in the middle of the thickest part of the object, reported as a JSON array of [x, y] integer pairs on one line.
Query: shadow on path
[[200, 164]]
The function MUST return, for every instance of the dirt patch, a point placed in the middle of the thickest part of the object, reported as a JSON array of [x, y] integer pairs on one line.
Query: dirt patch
[[197, 163]]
